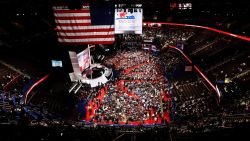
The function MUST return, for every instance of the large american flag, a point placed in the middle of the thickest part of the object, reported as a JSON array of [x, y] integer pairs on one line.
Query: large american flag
[[75, 27]]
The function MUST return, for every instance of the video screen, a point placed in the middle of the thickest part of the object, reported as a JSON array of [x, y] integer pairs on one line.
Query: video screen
[[56, 63], [128, 20], [84, 59]]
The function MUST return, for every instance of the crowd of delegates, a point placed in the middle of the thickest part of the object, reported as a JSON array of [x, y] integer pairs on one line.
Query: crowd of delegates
[[121, 59], [143, 72], [138, 94], [166, 36], [132, 38], [131, 41], [119, 106]]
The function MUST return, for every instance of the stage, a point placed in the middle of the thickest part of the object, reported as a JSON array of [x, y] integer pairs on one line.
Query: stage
[[95, 75]]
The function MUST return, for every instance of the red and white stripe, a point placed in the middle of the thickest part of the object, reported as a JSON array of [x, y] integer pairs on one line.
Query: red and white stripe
[[74, 27]]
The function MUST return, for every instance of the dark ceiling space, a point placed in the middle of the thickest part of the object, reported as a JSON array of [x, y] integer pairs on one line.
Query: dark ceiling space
[[28, 23], [10, 8]]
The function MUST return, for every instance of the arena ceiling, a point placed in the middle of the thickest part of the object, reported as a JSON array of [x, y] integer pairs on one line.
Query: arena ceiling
[[14, 11], [10, 7], [7, 4]]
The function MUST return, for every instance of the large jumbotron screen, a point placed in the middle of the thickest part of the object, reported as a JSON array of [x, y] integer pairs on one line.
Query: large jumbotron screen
[[128, 20], [83, 59]]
